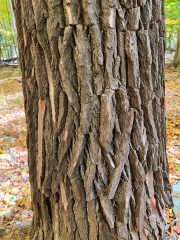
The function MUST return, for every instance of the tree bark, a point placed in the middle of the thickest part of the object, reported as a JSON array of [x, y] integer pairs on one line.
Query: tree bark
[[176, 60], [93, 83]]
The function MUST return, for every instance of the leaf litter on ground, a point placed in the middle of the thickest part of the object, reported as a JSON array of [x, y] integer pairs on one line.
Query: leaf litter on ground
[[173, 147], [15, 200]]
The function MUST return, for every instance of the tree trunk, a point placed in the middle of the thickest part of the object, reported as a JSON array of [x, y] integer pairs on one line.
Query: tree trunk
[[176, 60], [93, 83], [12, 17]]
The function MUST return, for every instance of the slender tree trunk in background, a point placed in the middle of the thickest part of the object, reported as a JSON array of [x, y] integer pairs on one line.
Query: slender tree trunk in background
[[93, 82], [176, 60], [12, 17]]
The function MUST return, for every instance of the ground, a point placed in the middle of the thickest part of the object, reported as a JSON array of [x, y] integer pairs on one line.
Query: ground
[[15, 201]]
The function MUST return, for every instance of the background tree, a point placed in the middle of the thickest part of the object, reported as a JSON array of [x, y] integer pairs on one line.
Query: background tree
[[93, 83], [176, 60], [8, 44], [173, 26]]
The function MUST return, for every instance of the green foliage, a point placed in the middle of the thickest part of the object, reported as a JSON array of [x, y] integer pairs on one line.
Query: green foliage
[[172, 9], [7, 33]]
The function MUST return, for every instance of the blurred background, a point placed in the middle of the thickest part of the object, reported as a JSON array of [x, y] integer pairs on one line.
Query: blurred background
[[172, 10], [8, 43]]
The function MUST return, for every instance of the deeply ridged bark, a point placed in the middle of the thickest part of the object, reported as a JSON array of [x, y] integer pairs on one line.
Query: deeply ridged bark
[[93, 84]]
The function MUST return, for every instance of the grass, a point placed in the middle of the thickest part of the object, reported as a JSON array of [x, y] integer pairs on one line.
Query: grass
[[10, 80], [9, 72]]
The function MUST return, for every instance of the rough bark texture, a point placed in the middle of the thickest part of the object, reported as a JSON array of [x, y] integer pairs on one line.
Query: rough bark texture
[[93, 84]]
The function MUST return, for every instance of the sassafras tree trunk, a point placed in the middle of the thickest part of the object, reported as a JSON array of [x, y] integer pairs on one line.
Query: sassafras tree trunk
[[93, 84]]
